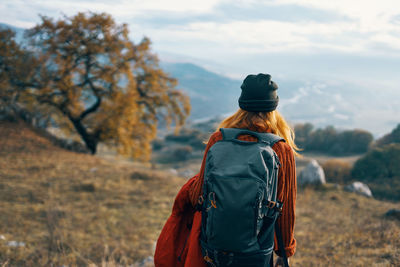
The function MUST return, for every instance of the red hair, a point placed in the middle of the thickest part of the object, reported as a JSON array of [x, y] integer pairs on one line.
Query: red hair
[[271, 121]]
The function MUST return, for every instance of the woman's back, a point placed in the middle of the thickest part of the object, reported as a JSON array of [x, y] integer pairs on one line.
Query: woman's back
[[179, 241], [286, 191]]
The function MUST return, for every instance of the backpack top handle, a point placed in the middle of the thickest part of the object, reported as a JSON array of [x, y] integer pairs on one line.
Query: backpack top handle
[[231, 134]]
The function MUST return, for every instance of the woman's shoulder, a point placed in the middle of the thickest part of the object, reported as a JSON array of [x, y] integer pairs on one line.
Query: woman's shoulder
[[282, 147], [215, 136]]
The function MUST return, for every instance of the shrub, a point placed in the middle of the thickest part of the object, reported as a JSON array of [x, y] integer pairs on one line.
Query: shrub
[[353, 141], [158, 144], [303, 132], [182, 153], [337, 171], [379, 163], [332, 141], [392, 137], [192, 137], [380, 168]]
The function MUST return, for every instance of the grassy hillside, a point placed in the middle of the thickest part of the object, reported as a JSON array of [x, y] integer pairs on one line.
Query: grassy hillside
[[71, 208], [336, 228], [76, 209]]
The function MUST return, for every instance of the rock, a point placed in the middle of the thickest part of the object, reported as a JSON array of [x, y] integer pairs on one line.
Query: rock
[[147, 262], [359, 188], [173, 171], [187, 173], [312, 174], [393, 213], [15, 244], [2, 237]]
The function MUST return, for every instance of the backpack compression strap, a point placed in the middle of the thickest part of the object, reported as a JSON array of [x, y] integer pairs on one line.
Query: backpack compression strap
[[281, 245], [231, 134]]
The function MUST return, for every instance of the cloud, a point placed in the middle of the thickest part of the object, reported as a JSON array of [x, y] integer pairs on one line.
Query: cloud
[[341, 116], [288, 37], [233, 11], [279, 26], [281, 12], [237, 26], [24, 13], [363, 11], [254, 37], [395, 19]]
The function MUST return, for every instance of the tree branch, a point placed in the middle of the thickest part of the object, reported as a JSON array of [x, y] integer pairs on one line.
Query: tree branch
[[93, 108]]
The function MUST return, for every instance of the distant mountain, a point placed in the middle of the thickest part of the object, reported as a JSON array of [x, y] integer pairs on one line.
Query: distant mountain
[[19, 32], [322, 103], [215, 95], [210, 94]]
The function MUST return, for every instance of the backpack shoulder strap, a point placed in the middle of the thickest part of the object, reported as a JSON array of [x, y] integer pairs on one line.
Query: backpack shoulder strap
[[281, 245], [231, 134], [272, 138]]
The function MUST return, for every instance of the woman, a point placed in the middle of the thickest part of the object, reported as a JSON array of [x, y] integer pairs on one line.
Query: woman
[[178, 244]]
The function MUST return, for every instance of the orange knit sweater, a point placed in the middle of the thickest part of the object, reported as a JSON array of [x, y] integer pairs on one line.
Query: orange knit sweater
[[287, 188]]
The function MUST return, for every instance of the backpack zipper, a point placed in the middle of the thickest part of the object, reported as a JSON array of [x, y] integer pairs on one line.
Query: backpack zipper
[[277, 160], [257, 211]]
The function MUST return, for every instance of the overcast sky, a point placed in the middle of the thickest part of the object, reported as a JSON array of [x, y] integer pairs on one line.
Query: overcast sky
[[236, 33], [331, 42]]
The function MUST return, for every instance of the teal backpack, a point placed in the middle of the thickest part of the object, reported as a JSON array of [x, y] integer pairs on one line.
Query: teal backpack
[[239, 204]]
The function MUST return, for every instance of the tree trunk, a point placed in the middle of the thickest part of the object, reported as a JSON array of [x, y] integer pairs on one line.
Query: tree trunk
[[91, 140]]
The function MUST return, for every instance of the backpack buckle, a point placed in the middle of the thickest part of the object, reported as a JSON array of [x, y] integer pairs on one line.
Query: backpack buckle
[[208, 259], [275, 205], [271, 204], [199, 205], [200, 200], [213, 202]]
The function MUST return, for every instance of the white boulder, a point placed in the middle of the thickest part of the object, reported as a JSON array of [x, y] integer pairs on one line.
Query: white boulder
[[14, 243], [312, 174], [359, 188]]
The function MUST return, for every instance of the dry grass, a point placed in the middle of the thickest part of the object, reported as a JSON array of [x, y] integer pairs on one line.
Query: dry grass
[[76, 209], [336, 228]]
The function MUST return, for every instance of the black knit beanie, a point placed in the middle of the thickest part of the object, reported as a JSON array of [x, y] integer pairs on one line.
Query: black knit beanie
[[258, 93]]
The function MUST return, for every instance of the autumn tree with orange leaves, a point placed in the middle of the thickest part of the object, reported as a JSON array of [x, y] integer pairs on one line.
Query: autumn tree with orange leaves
[[96, 82], [16, 68]]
